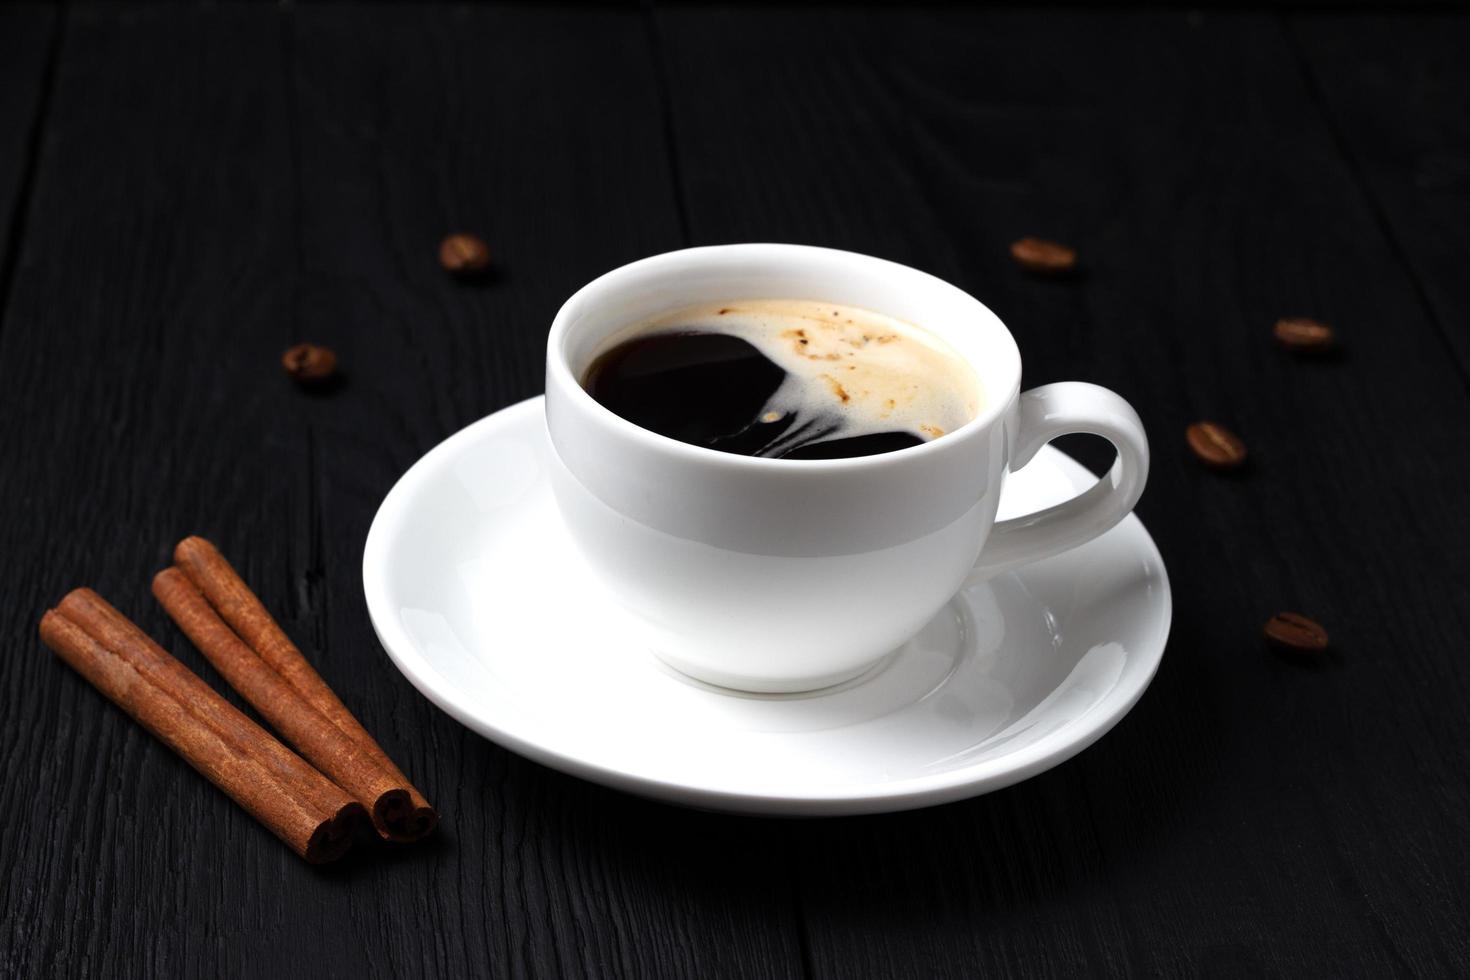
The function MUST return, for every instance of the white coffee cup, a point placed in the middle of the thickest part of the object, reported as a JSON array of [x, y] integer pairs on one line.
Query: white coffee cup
[[789, 575]]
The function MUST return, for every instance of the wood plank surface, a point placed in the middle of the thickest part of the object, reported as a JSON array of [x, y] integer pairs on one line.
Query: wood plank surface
[[1394, 90], [1251, 816], [27, 51], [134, 408], [217, 184], [542, 132], [193, 189]]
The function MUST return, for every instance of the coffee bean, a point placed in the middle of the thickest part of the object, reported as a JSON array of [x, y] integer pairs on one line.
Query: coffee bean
[[463, 254], [1300, 333], [1295, 633], [308, 364], [1041, 256], [1215, 445]]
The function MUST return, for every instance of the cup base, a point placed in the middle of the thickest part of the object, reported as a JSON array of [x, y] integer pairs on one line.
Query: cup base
[[742, 685]]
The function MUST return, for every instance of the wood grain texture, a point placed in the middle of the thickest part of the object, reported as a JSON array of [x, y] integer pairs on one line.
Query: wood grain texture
[[132, 412], [214, 184], [1394, 91], [217, 184], [27, 53], [1251, 815], [541, 133]]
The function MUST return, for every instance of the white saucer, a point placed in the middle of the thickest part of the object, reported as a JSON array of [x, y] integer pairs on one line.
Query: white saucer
[[483, 602]]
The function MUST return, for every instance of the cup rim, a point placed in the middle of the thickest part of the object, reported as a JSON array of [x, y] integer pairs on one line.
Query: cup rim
[[559, 370]]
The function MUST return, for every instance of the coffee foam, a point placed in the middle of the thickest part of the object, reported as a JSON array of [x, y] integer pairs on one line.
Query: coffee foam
[[849, 371]]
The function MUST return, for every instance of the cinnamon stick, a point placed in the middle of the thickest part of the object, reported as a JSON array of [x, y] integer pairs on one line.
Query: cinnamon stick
[[311, 732], [403, 815], [116, 632], [296, 803]]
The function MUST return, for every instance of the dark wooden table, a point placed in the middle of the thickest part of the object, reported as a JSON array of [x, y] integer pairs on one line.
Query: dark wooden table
[[186, 191]]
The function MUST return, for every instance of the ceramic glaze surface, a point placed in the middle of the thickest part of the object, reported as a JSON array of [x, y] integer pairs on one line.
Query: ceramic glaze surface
[[781, 575], [481, 598]]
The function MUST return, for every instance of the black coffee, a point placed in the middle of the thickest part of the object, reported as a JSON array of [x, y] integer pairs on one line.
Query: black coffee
[[785, 379]]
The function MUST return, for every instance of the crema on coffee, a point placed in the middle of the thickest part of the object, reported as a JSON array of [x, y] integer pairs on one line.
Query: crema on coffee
[[787, 379]]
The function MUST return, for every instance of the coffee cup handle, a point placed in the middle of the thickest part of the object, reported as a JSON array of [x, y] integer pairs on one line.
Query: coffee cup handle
[[1043, 414]]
